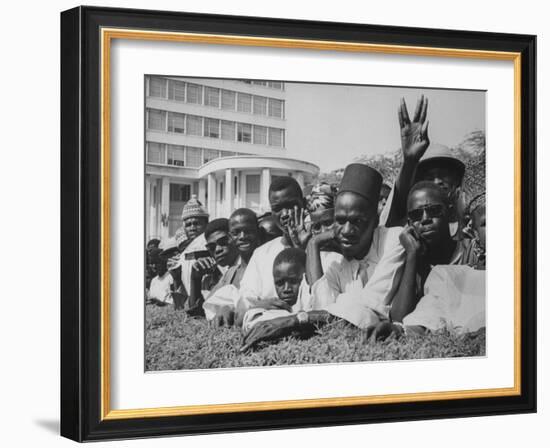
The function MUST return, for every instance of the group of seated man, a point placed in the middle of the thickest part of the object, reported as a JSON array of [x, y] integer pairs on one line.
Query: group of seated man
[[407, 259]]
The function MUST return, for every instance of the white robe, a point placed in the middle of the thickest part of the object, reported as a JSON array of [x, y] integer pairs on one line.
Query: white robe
[[199, 243], [361, 291], [454, 298]]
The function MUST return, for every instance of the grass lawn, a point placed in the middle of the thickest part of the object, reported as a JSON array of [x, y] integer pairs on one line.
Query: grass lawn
[[175, 341]]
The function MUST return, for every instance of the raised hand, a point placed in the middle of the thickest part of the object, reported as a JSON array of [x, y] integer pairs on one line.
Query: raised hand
[[414, 135], [297, 230]]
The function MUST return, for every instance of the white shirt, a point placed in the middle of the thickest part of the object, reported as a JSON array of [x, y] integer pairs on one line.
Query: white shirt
[[256, 315], [257, 282], [199, 243], [160, 288], [361, 291], [454, 299]]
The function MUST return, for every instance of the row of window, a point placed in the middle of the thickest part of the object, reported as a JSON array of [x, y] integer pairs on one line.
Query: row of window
[[178, 155], [161, 120], [273, 84], [211, 96]]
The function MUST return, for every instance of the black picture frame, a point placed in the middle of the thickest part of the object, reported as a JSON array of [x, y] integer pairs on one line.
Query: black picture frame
[[81, 225]]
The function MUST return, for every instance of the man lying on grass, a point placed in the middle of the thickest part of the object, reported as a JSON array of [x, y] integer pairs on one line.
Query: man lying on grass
[[211, 273], [359, 286], [433, 293], [244, 234]]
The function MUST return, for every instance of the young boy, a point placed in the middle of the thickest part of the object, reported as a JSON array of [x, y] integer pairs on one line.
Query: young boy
[[476, 229], [161, 288], [292, 290]]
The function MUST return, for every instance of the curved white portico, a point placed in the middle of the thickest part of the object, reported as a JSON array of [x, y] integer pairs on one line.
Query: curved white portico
[[243, 181]]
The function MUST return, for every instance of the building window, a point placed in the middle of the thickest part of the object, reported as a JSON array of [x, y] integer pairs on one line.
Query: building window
[[210, 154], [244, 102], [260, 135], [275, 108], [275, 85], [260, 83], [193, 157], [222, 197], [212, 97], [211, 128], [194, 125], [180, 193], [156, 119], [228, 130], [235, 185], [260, 105], [228, 100], [176, 155], [155, 152], [244, 132], [157, 87], [275, 137], [253, 191], [194, 93], [176, 122], [176, 90]]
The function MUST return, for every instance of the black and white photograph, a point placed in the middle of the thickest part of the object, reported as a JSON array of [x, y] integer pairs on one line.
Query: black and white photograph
[[291, 223]]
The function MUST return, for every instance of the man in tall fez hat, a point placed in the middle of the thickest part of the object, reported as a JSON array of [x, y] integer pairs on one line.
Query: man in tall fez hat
[[359, 286]]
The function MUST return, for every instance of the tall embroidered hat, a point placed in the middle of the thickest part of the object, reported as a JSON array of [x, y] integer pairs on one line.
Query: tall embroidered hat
[[193, 209], [363, 180]]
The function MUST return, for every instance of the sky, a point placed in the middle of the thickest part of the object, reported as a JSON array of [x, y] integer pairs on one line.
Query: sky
[[330, 125]]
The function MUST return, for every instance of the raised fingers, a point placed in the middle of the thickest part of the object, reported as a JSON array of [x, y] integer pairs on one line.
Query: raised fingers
[[405, 112], [419, 108], [424, 111]]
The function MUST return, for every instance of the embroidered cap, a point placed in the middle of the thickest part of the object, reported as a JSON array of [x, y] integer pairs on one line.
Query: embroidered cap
[[193, 209]]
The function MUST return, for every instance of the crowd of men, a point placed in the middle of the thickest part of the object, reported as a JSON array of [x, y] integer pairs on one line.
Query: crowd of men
[[407, 259]]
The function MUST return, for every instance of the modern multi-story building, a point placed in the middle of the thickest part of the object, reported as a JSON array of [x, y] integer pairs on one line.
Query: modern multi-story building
[[222, 140]]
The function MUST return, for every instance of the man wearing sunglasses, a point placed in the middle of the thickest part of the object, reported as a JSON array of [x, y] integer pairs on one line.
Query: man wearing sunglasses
[[428, 242], [210, 273]]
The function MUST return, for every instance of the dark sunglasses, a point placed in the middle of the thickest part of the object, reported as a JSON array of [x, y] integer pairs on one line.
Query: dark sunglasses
[[432, 211]]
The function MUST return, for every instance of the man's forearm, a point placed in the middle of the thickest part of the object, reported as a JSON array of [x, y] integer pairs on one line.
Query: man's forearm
[[398, 207], [314, 268], [405, 300], [195, 294]]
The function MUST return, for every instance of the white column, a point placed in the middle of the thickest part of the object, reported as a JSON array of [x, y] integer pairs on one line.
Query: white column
[[265, 181], [228, 192], [242, 189], [212, 195], [164, 206], [147, 194], [300, 179], [202, 191], [153, 228]]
